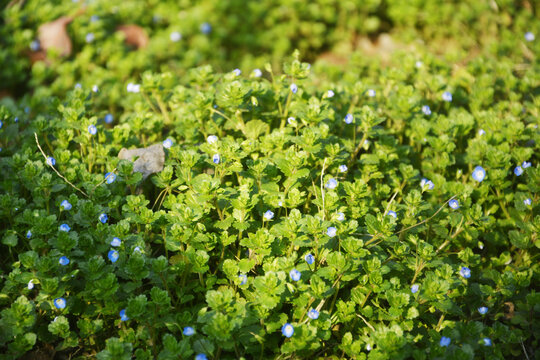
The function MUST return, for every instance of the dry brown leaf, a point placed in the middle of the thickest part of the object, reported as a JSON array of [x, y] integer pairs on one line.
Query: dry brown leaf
[[135, 35], [509, 313], [53, 35]]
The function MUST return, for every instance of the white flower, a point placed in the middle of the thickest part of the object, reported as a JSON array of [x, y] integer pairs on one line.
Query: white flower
[[175, 36]]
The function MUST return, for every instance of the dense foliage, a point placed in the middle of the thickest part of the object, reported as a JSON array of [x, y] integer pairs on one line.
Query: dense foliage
[[372, 211]]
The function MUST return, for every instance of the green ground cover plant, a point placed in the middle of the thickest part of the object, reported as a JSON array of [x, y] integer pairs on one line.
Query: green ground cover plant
[[303, 209]]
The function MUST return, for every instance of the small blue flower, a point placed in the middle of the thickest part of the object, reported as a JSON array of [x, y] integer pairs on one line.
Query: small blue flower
[[216, 159], [92, 129], [426, 110], [110, 177], [60, 303], [108, 119], [103, 218], [487, 341], [113, 255], [392, 214], [78, 86], [295, 275], [482, 310], [291, 121], [479, 173], [94, 18], [95, 88], [123, 315], [341, 216], [481, 132], [525, 164], [188, 331], [310, 259], [205, 28], [529, 36], [30, 285], [34, 45], [89, 37], [51, 161], [65, 227], [201, 357], [287, 330], [268, 215], [348, 119], [16, 119], [414, 288], [116, 242], [257, 73], [331, 231], [28, 234], [313, 314], [294, 88], [65, 205], [167, 143], [1, 124], [445, 341], [527, 202], [175, 36], [137, 249], [465, 272], [447, 96], [133, 88], [368, 347], [243, 279], [518, 170], [237, 72], [331, 184], [211, 139], [63, 261], [454, 204], [418, 64], [371, 93], [343, 168], [330, 94], [426, 184]]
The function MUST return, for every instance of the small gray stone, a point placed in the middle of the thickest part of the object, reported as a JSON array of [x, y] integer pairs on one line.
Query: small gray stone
[[150, 161]]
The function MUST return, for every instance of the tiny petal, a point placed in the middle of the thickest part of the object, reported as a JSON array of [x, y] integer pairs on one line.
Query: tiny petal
[[65, 227], [216, 159], [371, 93], [481, 132], [483, 310], [343, 168], [465, 272], [243, 279], [113, 255], [487, 341], [348, 119], [426, 110], [313, 314], [34, 45], [426, 184], [188, 331], [527, 202], [201, 357], [331, 231], [529, 36], [205, 28], [30, 284], [89, 37], [60, 303], [110, 177], [28, 234], [341, 216], [268, 215], [525, 164], [392, 214], [237, 72], [65, 205], [116, 242], [211, 139], [294, 88], [414, 288], [287, 330], [175, 36], [445, 341], [418, 64], [454, 204], [92, 129], [447, 96], [63, 261], [123, 315], [330, 94], [295, 275], [103, 218], [257, 73], [479, 174], [109, 119], [518, 170], [51, 161], [331, 184], [95, 88], [291, 121], [310, 259], [167, 143]]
